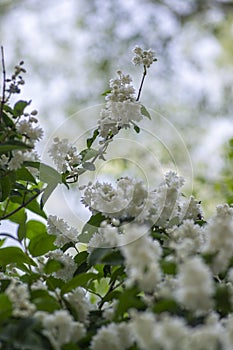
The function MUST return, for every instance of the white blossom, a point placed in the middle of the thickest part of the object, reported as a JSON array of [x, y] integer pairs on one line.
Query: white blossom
[[68, 264], [142, 255], [26, 128], [60, 328], [195, 287], [187, 239], [115, 336], [19, 295], [167, 333], [219, 238], [64, 155], [63, 232], [80, 303], [144, 57]]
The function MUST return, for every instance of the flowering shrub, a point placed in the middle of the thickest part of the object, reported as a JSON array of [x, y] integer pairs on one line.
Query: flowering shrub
[[153, 274]]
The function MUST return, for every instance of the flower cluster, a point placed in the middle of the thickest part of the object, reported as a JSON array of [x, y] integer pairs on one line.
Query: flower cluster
[[121, 107], [63, 232], [64, 155], [144, 57]]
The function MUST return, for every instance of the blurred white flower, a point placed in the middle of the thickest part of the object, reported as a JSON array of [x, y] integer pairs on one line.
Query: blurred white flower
[[115, 336], [144, 57], [195, 286], [60, 328], [64, 155], [80, 303], [63, 232], [68, 264]]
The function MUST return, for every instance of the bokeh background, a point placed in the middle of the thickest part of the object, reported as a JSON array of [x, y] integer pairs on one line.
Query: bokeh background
[[72, 48]]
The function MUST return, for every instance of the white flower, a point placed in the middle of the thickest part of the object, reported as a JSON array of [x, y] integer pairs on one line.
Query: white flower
[[167, 333], [219, 238], [64, 155], [68, 264], [144, 57], [187, 239], [25, 128], [63, 232], [80, 303], [142, 256], [60, 328], [19, 295], [115, 336], [19, 157], [195, 285], [191, 209]]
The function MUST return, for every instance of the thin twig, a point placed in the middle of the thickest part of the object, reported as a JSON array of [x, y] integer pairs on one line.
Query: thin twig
[[140, 88], [3, 83], [22, 205]]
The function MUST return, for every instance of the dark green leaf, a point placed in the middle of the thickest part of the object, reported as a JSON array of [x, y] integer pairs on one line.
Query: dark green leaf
[[35, 228], [81, 257], [113, 258], [90, 227], [127, 300], [24, 175], [92, 139], [95, 257], [6, 147], [5, 187], [52, 266], [145, 112], [5, 307], [19, 108], [32, 206], [137, 129], [11, 255], [41, 244], [165, 305], [8, 109], [44, 301], [168, 267], [7, 121], [81, 280]]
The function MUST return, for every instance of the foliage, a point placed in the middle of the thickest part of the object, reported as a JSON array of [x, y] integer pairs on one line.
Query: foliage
[[153, 275]]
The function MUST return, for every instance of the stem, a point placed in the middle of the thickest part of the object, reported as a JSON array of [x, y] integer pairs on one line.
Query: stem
[[22, 205], [3, 83], [140, 88]]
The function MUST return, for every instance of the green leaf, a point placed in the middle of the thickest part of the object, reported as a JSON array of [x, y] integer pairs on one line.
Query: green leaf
[[223, 300], [81, 280], [14, 255], [81, 257], [52, 266], [92, 139], [5, 307], [25, 175], [8, 109], [44, 301], [127, 300], [113, 258], [19, 108], [165, 305], [32, 206], [6, 147], [105, 93], [88, 166], [5, 187], [90, 227], [35, 228], [88, 153], [168, 267], [49, 175], [7, 121], [41, 244], [145, 112], [95, 257], [137, 129]]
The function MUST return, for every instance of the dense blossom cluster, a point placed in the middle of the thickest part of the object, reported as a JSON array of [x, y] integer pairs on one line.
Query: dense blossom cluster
[[64, 155], [146, 271], [121, 107]]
